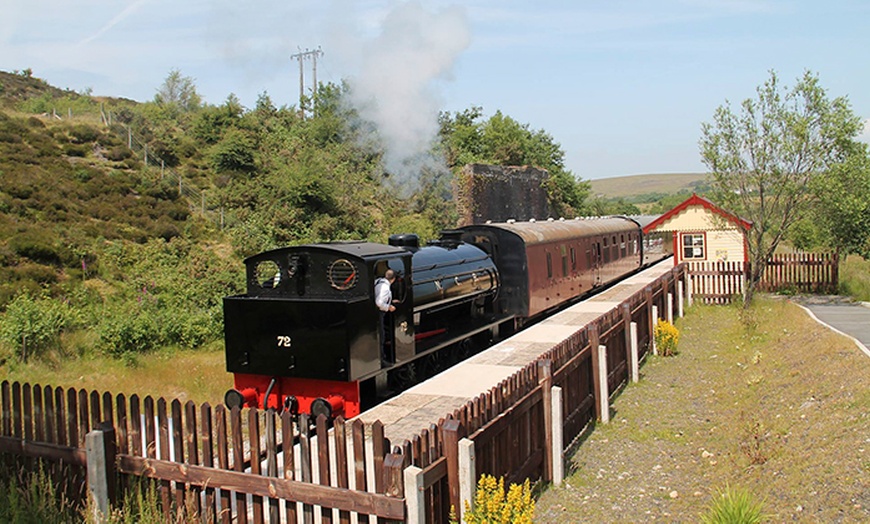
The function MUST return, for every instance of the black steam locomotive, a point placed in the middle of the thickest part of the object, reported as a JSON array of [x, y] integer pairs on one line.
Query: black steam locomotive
[[304, 336]]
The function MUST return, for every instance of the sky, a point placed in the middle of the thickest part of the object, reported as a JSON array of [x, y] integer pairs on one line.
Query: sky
[[622, 86]]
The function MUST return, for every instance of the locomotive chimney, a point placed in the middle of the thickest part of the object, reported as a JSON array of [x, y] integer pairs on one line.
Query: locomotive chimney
[[406, 240]]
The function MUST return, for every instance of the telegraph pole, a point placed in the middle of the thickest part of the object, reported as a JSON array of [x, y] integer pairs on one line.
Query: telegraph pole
[[301, 56]]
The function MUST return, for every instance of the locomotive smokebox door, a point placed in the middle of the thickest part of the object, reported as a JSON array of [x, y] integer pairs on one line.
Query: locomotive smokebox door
[[290, 338]]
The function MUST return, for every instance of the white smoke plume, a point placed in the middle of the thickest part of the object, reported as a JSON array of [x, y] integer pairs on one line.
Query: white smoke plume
[[395, 69]]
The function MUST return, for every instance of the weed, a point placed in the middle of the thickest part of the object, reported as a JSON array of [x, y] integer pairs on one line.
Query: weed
[[733, 506], [755, 442]]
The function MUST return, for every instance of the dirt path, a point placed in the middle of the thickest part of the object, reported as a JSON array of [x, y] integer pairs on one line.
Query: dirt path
[[767, 400]]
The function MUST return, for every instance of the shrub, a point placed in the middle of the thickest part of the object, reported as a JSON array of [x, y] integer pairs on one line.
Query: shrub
[[733, 506], [130, 332], [666, 336], [76, 150], [491, 506], [35, 323], [82, 133], [118, 153]]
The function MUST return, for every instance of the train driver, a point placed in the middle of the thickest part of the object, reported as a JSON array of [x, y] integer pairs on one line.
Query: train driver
[[384, 302]]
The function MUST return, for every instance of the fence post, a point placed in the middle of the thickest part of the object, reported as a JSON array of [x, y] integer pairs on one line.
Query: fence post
[[394, 481], [545, 379], [415, 495], [689, 289], [558, 461], [633, 357], [452, 431], [680, 295], [603, 389], [596, 369], [652, 330], [467, 475], [101, 452], [670, 307], [626, 327]]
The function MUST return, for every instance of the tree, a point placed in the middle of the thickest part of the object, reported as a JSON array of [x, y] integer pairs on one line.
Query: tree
[[842, 204], [502, 140], [178, 91], [763, 159]]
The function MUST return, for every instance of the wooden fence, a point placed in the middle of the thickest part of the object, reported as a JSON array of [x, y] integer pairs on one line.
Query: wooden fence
[[221, 465], [720, 282], [224, 465], [802, 272]]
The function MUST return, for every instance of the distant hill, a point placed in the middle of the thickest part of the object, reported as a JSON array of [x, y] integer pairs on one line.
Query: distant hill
[[661, 184]]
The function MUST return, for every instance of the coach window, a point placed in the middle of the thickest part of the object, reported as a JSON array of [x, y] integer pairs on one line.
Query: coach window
[[693, 246], [549, 266], [573, 260], [622, 244]]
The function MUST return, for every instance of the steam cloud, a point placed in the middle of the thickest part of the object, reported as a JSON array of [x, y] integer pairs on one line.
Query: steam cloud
[[395, 80]]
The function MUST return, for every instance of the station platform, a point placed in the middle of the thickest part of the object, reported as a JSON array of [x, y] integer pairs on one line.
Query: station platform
[[407, 414]]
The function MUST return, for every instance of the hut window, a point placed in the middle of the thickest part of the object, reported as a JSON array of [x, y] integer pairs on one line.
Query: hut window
[[693, 246]]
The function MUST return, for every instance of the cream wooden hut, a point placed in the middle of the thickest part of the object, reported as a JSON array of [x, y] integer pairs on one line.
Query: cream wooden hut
[[704, 232]]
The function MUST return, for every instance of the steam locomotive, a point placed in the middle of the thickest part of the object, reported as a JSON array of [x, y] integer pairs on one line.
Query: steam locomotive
[[304, 336]]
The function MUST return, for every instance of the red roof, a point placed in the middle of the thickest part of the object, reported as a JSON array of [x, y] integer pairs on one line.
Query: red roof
[[696, 200]]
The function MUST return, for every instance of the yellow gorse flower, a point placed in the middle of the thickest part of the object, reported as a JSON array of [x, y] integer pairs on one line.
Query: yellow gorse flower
[[666, 336]]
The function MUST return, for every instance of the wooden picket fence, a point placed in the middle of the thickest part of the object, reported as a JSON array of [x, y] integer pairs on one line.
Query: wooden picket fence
[[720, 282], [220, 465], [802, 272]]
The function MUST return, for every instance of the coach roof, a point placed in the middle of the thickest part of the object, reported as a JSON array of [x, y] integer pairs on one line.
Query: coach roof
[[560, 230]]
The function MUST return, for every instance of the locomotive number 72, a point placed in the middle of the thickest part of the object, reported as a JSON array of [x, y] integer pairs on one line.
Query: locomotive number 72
[[284, 341]]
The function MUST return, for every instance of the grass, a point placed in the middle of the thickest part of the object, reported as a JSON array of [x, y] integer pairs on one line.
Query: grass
[[765, 402], [855, 278], [636, 185], [198, 375]]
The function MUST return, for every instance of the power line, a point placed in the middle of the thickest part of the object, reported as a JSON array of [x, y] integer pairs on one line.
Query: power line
[[301, 56]]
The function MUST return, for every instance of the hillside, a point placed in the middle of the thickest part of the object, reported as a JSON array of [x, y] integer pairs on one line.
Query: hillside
[[634, 186]]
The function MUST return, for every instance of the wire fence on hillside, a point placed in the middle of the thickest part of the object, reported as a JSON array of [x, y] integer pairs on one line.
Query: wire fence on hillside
[[196, 197]]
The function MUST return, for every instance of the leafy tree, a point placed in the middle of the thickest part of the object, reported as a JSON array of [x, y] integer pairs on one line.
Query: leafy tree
[[234, 153], [842, 204], [763, 158], [179, 92], [502, 140]]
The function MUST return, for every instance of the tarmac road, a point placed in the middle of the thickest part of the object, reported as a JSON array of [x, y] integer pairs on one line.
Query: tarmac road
[[849, 318]]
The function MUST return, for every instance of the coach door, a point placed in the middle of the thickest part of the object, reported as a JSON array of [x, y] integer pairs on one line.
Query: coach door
[[596, 263]]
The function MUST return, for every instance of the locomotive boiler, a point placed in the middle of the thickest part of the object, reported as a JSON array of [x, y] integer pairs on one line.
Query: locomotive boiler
[[304, 335]]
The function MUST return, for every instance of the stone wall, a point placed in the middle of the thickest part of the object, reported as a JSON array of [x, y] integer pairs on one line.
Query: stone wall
[[498, 193]]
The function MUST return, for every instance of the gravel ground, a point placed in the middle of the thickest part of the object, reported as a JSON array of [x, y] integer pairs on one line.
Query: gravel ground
[[766, 400]]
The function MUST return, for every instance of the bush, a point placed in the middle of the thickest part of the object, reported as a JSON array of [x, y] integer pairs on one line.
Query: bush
[[82, 133], [491, 506], [35, 324], [76, 150], [118, 153], [131, 332], [666, 336], [733, 506]]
